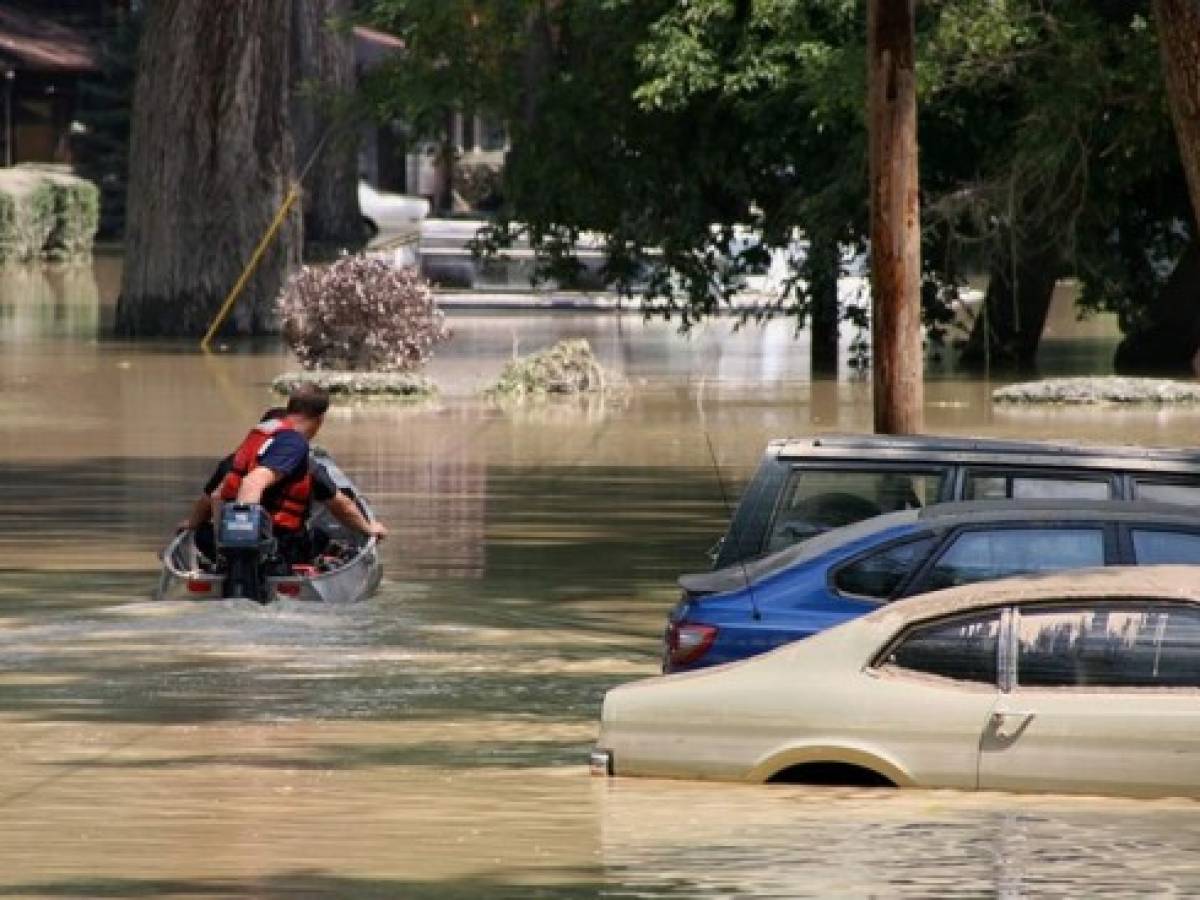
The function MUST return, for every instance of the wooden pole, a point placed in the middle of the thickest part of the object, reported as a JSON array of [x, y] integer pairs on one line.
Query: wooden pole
[[896, 354]]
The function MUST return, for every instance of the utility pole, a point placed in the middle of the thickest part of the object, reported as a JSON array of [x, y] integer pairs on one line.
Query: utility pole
[[896, 354]]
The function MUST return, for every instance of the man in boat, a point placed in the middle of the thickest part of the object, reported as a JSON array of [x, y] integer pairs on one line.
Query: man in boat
[[288, 480]]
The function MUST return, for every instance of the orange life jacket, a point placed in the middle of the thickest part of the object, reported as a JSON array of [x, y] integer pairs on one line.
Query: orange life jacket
[[286, 501]]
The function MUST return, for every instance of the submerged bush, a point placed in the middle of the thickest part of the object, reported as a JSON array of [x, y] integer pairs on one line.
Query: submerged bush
[[362, 315], [569, 367], [46, 214]]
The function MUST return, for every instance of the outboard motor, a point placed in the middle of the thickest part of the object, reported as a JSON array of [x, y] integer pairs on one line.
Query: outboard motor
[[246, 543]]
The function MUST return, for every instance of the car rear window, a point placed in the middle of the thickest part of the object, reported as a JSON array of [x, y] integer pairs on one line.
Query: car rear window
[[814, 501], [1154, 546], [1119, 645], [1181, 492], [880, 574]]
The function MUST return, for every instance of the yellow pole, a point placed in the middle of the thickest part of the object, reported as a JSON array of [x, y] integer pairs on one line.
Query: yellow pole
[[240, 285]]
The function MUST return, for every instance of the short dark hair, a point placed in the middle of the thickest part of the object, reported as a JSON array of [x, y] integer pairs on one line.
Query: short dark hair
[[308, 399]]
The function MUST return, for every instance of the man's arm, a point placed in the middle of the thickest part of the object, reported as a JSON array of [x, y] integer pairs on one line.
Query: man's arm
[[255, 484], [201, 512], [347, 512]]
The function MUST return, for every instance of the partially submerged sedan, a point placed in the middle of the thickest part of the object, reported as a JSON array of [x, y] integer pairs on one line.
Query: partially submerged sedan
[[750, 608], [1079, 682]]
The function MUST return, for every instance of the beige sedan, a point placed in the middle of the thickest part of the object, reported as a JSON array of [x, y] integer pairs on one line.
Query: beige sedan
[[1081, 682]]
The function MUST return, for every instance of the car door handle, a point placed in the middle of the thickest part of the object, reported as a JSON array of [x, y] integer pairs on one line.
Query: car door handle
[[1009, 722]]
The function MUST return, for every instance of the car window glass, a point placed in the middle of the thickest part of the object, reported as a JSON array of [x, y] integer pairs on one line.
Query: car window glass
[[988, 486], [1153, 546], [1168, 492], [815, 500], [987, 554], [879, 574], [963, 649], [1109, 645]]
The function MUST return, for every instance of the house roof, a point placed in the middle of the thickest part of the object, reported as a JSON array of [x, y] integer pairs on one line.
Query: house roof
[[33, 42]]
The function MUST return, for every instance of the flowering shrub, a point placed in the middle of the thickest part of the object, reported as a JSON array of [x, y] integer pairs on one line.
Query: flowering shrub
[[360, 314]]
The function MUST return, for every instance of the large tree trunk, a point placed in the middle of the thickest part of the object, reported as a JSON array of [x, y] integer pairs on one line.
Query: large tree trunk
[[896, 356], [1169, 342], [1008, 329], [210, 163], [322, 81], [1178, 26]]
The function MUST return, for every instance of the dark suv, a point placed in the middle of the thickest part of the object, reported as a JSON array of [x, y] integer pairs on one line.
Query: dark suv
[[805, 486]]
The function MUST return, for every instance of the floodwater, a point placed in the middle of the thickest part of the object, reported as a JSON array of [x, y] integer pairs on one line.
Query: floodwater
[[431, 742]]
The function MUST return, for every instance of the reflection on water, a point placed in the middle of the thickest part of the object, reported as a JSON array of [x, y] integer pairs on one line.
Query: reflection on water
[[429, 743]]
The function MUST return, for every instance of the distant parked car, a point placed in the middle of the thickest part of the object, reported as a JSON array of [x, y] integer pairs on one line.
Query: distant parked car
[[750, 608], [805, 486], [1084, 682], [391, 215]]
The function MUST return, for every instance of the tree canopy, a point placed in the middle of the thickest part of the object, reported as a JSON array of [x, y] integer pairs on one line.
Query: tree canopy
[[673, 130]]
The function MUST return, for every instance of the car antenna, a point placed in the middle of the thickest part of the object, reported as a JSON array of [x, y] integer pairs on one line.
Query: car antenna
[[733, 530]]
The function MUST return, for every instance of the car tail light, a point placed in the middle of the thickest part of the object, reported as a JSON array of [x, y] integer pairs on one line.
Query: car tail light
[[289, 589], [687, 642], [199, 587]]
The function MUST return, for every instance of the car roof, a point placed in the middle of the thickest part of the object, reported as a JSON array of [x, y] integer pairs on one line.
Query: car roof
[[941, 516], [1056, 510], [1174, 583], [738, 574], [948, 449]]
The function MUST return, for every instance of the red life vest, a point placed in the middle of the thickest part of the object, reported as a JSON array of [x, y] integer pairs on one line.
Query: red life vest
[[287, 501]]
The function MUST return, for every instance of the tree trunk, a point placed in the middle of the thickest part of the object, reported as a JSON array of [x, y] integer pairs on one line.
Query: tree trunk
[[210, 162], [322, 82], [1178, 26], [824, 269], [896, 355], [1169, 342], [1008, 329]]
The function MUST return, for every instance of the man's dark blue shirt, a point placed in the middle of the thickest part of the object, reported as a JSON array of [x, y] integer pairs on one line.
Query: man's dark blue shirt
[[285, 452]]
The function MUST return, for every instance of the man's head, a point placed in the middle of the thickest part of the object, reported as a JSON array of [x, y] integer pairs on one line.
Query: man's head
[[306, 407]]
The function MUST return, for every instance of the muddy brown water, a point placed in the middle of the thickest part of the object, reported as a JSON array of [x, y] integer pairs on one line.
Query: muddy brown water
[[431, 742]]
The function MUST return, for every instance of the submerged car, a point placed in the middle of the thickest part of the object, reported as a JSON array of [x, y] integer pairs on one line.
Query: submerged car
[[749, 608], [806, 486], [1083, 682]]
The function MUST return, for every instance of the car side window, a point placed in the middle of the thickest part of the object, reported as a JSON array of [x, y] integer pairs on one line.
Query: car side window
[[985, 554], [962, 649], [880, 574], [1181, 492], [816, 500], [1152, 546], [1111, 645], [988, 485]]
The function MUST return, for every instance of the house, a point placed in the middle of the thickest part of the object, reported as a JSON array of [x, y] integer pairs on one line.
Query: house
[[391, 161], [42, 60]]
